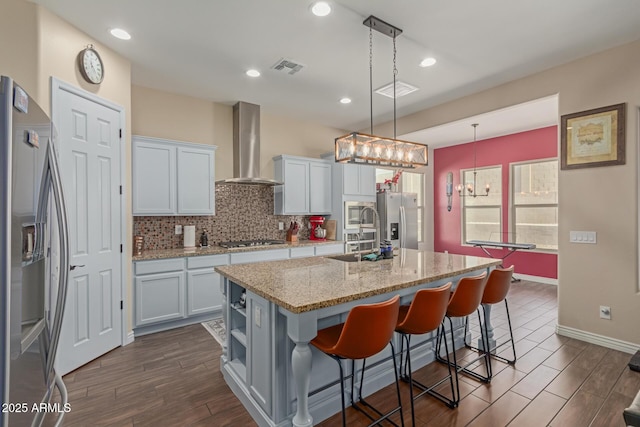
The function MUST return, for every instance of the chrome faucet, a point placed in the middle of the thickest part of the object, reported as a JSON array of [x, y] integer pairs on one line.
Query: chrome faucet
[[376, 243]]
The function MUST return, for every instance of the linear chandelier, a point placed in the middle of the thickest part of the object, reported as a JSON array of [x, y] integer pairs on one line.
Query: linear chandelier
[[471, 189], [361, 148]]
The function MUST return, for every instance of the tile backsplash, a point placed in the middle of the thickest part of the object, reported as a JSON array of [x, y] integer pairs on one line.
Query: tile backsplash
[[243, 212]]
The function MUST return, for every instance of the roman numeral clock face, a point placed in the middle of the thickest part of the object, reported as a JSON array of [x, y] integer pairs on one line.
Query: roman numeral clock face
[[90, 65]]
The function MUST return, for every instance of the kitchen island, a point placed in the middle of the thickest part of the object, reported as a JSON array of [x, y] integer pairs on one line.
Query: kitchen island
[[267, 360]]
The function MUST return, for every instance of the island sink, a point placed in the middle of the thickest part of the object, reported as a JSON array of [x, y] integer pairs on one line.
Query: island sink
[[346, 257]]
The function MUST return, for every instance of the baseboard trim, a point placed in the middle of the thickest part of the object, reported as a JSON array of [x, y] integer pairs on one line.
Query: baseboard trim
[[601, 340], [538, 279], [129, 338], [165, 326]]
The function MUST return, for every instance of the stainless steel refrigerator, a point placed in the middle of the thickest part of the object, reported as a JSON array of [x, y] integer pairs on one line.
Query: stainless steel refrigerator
[[399, 219], [31, 306]]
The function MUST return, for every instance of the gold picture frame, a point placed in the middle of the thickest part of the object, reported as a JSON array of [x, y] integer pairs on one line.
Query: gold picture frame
[[593, 138]]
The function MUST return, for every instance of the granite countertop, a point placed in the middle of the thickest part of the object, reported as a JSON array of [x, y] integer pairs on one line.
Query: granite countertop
[[217, 250], [307, 284]]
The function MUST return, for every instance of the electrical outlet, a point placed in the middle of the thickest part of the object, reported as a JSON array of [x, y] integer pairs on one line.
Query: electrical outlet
[[605, 312], [281, 225], [258, 316], [178, 229]]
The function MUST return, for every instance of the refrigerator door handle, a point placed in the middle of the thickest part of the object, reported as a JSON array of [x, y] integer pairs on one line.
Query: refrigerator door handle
[[63, 231], [403, 227]]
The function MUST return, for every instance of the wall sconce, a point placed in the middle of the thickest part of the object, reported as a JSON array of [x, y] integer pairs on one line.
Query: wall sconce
[[449, 190]]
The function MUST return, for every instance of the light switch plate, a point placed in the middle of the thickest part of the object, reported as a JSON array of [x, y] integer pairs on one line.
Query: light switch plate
[[588, 237], [258, 316], [178, 229]]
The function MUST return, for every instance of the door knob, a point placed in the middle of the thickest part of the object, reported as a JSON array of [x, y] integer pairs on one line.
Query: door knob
[[73, 267]]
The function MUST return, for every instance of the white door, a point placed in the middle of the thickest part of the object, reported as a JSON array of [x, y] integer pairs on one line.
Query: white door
[[89, 144]]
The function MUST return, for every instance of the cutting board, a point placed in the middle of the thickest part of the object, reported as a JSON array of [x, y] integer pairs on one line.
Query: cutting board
[[330, 226]]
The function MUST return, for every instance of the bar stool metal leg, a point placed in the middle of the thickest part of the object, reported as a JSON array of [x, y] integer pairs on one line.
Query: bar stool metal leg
[[383, 417], [457, 368], [408, 377]]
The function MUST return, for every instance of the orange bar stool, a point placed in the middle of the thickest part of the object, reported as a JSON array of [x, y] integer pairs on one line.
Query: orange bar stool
[[425, 314], [496, 290], [366, 332], [465, 299]]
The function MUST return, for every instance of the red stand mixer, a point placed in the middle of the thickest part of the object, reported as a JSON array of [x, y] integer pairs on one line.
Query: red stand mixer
[[317, 232]]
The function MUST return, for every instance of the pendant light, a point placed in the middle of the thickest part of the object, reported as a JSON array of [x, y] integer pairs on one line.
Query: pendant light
[[370, 149], [471, 189]]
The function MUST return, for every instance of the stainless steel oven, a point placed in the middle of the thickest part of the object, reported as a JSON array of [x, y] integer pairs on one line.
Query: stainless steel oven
[[352, 211]]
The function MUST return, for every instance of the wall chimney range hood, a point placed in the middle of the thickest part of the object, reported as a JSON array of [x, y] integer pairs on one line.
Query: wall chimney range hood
[[246, 146]]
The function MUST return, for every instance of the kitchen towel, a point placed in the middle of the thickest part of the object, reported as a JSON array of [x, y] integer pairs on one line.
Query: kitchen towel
[[189, 236]]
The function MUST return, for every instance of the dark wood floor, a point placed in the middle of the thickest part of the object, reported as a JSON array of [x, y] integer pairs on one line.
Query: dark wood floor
[[173, 379]]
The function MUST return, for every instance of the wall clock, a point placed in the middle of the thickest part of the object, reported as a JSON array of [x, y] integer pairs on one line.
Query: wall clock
[[90, 65]]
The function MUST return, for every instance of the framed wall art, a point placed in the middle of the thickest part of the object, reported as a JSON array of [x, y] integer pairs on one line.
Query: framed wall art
[[593, 138]]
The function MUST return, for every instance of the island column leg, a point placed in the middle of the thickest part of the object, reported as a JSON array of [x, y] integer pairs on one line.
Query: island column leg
[[224, 286], [302, 328], [487, 320]]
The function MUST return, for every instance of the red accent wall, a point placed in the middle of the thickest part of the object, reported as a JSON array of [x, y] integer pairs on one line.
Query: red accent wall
[[535, 144]]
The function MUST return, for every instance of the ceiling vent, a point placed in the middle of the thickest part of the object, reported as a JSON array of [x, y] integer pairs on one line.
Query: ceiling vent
[[291, 67], [402, 89]]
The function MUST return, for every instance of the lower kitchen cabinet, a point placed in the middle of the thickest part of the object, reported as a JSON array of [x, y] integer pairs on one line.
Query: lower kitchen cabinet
[[203, 284], [203, 297], [330, 249], [260, 256], [159, 297], [177, 291]]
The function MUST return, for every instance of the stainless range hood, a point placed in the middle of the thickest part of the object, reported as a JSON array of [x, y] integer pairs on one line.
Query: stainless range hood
[[246, 146]]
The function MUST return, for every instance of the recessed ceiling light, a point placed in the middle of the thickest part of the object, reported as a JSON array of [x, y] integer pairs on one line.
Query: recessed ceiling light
[[120, 34], [345, 101], [321, 8], [428, 62], [253, 73]]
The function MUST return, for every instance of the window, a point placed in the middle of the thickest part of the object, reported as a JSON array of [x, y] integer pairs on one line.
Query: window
[[481, 216], [535, 203], [410, 182]]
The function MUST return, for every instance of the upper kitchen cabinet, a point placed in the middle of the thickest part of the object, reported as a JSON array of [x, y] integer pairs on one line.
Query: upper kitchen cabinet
[[196, 192], [358, 180], [172, 177], [307, 186]]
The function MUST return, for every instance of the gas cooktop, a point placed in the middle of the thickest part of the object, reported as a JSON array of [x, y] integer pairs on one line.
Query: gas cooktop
[[245, 243]]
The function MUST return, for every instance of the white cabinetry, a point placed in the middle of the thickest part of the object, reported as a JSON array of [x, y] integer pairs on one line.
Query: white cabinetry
[[203, 284], [358, 180], [154, 178], [196, 192], [179, 291], [330, 249], [160, 291], [172, 177], [319, 187], [307, 186], [259, 256], [177, 288]]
